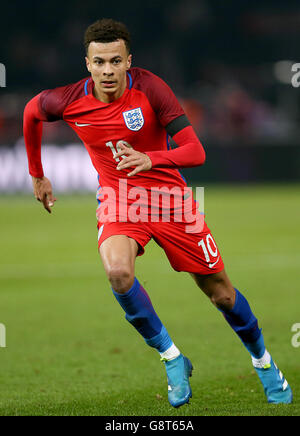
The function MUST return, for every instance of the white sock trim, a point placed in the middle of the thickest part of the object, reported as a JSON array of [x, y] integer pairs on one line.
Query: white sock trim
[[171, 353], [263, 361]]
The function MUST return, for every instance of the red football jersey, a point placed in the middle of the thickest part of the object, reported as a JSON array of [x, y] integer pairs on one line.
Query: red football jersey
[[138, 117]]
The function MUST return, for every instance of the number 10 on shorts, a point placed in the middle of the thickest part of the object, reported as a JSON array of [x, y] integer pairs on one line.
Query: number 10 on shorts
[[210, 250]]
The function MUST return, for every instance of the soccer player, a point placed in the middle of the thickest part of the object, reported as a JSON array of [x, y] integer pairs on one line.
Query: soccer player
[[125, 116]]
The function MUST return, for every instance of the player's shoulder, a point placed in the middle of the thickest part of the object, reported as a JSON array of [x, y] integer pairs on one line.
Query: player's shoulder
[[154, 87], [160, 96], [54, 101], [144, 79]]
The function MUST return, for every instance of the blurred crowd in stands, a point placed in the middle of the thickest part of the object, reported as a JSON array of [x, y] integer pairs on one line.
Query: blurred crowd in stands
[[229, 63]]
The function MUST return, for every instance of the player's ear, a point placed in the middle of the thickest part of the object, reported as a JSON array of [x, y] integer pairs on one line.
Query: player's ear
[[88, 65], [129, 61]]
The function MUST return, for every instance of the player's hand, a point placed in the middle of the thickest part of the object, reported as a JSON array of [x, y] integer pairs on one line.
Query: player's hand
[[42, 190], [133, 158]]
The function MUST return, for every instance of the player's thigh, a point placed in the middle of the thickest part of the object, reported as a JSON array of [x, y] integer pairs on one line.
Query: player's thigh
[[118, 254]]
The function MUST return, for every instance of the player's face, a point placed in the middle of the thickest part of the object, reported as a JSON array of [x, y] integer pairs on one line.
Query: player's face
[[108, 63]]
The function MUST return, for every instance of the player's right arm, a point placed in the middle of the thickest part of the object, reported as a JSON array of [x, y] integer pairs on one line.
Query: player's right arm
[[32, 128]]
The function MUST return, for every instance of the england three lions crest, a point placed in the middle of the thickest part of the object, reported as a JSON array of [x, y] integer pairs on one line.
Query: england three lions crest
[[134, 119]]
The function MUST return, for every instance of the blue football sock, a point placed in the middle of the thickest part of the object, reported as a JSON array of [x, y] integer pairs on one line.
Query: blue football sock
[[141, 314], [256, 349], [244, 323]]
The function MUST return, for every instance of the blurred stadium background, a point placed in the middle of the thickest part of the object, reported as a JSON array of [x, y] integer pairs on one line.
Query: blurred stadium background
[[230, 65], [228, 62]]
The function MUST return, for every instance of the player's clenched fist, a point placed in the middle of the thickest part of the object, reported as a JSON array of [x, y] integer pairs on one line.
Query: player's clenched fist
[[140, 161], [42, 190]]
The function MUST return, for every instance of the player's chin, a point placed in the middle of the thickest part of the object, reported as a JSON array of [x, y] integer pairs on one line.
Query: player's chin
[[109, 89]]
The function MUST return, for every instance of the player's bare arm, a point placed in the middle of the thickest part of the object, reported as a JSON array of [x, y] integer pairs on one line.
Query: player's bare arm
[[134, 158], [33, 127]]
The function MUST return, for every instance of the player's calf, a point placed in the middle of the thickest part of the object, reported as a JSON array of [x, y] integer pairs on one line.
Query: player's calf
[[235, 309]]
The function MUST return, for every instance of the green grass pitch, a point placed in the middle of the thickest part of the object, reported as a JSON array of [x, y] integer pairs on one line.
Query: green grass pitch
[[71, 352]]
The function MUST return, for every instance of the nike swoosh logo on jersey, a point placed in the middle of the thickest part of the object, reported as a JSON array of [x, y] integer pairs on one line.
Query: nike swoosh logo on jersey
[[82, 125], [211, 265]]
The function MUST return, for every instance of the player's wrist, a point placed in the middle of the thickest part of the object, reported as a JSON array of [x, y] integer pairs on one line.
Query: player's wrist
[[148, 162], [151, 158]]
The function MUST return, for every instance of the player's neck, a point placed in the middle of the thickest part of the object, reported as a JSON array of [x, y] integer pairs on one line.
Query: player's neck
[[109, 97]]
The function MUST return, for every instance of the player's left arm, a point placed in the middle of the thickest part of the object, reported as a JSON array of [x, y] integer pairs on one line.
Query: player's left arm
[[189, 153]]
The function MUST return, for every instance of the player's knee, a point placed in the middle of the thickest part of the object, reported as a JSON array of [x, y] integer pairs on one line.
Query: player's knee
[[121, 278], [223, 300], [219, 289]]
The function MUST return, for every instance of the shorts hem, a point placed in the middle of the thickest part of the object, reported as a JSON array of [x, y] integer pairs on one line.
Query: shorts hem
[[141, 249]]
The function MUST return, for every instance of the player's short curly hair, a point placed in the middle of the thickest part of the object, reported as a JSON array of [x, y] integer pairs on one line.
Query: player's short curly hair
[[106, 30]]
